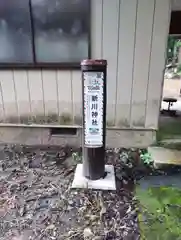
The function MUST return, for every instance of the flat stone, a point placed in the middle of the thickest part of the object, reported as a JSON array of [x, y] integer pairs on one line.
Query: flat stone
[[171, 141], [163, 155], [107, 183], [160, 181]]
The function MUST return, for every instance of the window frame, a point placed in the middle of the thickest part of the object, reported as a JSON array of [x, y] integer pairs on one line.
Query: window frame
[[49, 65]]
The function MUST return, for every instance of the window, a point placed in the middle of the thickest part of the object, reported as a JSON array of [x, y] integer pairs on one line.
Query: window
[[175, 28], [40, 33], [15, 32]]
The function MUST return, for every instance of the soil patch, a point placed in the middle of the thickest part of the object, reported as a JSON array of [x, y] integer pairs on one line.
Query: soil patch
[[36, 201]]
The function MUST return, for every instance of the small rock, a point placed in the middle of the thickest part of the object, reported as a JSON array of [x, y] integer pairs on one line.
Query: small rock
[[51, 227], [69, 162], [43, 203], [22, 211], [87, 233], [17, 238], [69, 208], [35, 162], [98, 238], [3, 166], [103, 211], [61, 156], [111, 235], [13, 187], [93, 217], [125, 182], [71, 202], [43, 216]]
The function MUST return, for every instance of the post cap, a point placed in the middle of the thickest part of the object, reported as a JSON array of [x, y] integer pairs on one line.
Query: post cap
[[94, 62]]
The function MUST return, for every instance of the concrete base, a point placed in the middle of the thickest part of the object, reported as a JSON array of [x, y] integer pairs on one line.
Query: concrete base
[[107, 183], [34, 135]]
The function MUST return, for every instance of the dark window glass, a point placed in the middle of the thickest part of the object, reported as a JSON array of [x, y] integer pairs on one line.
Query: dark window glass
[[40, 33], [61, 30], [15, 32], [175, 27]]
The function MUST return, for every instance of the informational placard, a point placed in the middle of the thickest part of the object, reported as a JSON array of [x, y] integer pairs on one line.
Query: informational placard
[[93, 108]]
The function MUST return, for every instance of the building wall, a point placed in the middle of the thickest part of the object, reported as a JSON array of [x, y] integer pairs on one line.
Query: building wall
[[176, 5], [132, 36]]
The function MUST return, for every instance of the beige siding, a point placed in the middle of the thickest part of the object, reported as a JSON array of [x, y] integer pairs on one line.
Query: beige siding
[[143, 39], [36, 92], [64, 92], [96, 28], [8, 93], [76, 94], [176, 5], [131, 35], [110, 51], [157, 62], [50, 92], [125, 61], [21, 92]]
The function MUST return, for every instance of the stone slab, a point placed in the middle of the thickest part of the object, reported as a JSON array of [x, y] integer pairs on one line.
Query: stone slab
[[163, 155]]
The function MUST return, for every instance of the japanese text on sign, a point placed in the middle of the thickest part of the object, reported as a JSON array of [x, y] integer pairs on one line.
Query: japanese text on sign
[[93, 108]]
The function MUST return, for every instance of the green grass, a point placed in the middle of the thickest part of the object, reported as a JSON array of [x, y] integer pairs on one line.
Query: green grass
[[159, 213], [170, 129]]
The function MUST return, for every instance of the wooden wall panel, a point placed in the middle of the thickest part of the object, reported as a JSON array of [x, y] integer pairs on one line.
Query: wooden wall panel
[[64, 91], [143, 42], [22, 93], [9, 96], [110, 52], [127, 20], [36, 91], [49, 81], [157, 62], [131, 35]]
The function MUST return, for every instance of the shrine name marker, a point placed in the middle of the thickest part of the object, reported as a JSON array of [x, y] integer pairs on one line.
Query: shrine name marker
[[94, 73]]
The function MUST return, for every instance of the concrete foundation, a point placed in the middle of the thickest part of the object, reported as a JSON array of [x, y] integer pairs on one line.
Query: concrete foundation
[[42, 135], [107, 183]]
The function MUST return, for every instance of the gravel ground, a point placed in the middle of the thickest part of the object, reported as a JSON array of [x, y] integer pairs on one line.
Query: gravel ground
[[36, 201]]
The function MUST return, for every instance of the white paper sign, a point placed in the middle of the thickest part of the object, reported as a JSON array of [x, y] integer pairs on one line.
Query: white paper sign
[[93, 108]]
